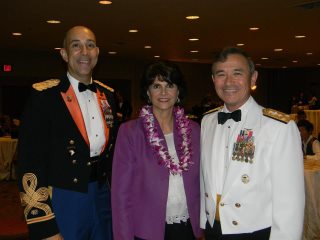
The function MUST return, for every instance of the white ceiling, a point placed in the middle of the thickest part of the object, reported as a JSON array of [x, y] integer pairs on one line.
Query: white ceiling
[[162, 25]]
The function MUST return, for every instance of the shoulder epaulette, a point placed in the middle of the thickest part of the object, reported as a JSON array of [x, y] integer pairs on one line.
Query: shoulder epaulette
[[274, 114], [40, 86], [213, 110], [103, 85]]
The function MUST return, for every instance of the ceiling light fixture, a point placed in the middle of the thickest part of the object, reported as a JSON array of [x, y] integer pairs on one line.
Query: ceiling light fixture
[[57, 48], [278, 49], [264, 58], [156, 56], [104, 2], [254, 28], [112, 53], [147, 46], [240, 44], [53, 21], [309, 53], [16, 34], [133, 30], [193, 39], [194, 51], [299, 36], [295, 61], [194, 17]]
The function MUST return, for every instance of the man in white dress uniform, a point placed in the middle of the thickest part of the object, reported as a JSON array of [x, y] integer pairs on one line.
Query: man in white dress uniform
[[252, 184]]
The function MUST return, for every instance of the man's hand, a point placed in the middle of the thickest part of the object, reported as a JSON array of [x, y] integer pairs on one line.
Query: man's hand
[[55, 237]]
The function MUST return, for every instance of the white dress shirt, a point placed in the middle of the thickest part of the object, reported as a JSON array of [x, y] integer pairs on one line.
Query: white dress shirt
[[92, 117]]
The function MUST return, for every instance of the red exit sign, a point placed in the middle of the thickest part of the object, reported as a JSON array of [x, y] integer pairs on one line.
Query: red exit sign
[[7, 68]]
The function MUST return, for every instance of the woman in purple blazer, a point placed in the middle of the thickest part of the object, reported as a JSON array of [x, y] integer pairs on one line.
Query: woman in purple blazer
[[155, 179]]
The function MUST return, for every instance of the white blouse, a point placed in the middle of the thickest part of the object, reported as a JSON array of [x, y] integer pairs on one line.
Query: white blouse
[[177, 210]]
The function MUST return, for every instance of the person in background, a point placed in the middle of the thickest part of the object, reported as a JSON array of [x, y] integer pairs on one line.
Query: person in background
[[251, 158], [124, 108], [155, 181], [65, 147], [5, 126], [311, 145], [301, 115]]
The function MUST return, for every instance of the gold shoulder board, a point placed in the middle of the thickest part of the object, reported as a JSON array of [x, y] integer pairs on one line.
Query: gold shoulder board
[[40, 86], [213, 110], [280, 116], [103, 85]]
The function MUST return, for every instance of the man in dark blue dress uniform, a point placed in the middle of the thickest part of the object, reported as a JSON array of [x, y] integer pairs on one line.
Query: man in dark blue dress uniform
[[65, 149]]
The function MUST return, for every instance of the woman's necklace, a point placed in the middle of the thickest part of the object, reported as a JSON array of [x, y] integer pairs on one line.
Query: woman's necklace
[[156, 142]]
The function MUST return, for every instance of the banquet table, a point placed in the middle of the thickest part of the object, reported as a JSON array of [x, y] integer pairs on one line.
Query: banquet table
[[312, 208], [8, 148]]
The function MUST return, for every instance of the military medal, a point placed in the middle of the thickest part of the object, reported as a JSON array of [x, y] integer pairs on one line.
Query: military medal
[[106, 109], [243, 148]]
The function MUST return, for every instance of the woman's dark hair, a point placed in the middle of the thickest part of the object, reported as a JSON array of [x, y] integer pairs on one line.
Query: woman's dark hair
[[305, 124], [164, 71]]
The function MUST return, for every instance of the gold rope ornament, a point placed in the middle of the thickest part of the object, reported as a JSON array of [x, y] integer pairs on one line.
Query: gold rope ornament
[[33, 198]]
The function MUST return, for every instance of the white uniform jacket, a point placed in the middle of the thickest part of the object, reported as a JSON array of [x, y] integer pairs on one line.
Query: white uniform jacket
[[267, 192]]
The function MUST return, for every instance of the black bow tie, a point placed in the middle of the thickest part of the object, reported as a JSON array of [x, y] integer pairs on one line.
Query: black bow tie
[[83, 87], [223, 117]]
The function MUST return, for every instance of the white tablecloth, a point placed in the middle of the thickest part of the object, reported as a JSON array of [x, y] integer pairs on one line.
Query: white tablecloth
[[8, 148], [312, 209]]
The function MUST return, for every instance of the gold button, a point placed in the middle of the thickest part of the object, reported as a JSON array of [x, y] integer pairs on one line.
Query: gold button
[[238, 205], [235, 223], [207, 212], [245, 178], [222, 204], [206, 194], [75, 180], [74, 161], [71, 142]]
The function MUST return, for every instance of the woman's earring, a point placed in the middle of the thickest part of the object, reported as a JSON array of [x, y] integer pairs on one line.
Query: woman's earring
[[178, 100]]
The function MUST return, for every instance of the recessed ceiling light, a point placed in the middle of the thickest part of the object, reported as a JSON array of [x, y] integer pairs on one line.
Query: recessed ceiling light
[[194, 51], [254, 28], [16, 34], [295, 61], [300, 36], [309, 53], [112, 52], [53, 21], [156, 56], [104, 2], [258, 64], [147, 46], [318, 64], [284, 66], [192, 17], [57, 48], [278, 49], [133, 30], [240, 44], [264, 58], [193, 39]]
